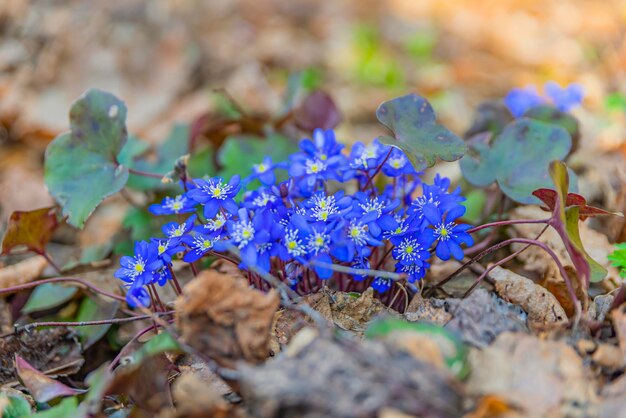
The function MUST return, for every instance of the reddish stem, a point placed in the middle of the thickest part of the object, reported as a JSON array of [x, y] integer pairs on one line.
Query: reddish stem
[[509, 222], [380, 166]]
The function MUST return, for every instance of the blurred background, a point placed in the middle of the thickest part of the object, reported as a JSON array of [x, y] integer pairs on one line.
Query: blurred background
[[165, 58]]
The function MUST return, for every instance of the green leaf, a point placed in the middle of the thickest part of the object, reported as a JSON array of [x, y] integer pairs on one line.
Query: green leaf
[[48, 295], [474, 203], [94, 309], [239, 153], [98, 382], [565, 222], [518, 159], [32, 229], [618, 258], [412, 120], [67, 408], [597, 273], [14, 406], [550, 114], [453, 350], [175, 146], [80, 168], [201, 163], [160, 343]]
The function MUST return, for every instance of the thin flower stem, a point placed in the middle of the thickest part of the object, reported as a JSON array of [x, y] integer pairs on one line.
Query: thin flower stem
[[194, 269], [132, 340], [50, 261], [509, 222], [380, 166], [500, 262], [177, 287], [85, 283], [144, 174], [360, 272]]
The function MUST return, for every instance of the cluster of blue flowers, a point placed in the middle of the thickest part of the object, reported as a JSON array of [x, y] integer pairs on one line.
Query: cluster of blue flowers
[[520, 100], [308, 223]]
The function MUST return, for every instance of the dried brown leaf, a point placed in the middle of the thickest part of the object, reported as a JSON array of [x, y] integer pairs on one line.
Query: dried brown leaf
[[542, 307], [540, 378], [432, 310], [54, 351], [225, 319], [22, 272]]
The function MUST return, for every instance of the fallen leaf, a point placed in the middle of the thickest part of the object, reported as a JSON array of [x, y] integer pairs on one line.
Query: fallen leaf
[[32, 229], [492, 406], [552, 381], [54, 351], [41, 387], [541, 306], [22, 272], [481, 317], [145, 383], [225, 319], [432, 310], [424, 341], [346, 378], [195, 399]]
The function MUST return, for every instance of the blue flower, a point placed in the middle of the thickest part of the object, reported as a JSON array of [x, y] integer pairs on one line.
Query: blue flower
[[434, 202], [450, 235], [412, 251], [245, 234], [138, 269], [324, 145], [381, 285], [199, 245], [175, 231], [307, 242], [174, 206], [137, 295], [353, 240], [375, 212], [214, 194], [265, 171], [397, 164], [564, 98], [323, 208], [518, 100], [413, 272], [166, 249]]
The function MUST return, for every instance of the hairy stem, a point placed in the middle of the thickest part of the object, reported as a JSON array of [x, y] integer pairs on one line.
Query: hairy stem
[[33, 325], [509, 222]]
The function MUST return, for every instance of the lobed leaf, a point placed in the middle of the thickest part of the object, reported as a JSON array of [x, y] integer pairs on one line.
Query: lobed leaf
[[412, 120], [32, 229], [48, 295], [518, 159], [81, 167], [549, 196], [94, 309]]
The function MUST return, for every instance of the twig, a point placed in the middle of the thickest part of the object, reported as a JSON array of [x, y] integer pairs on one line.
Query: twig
[[360, 272], [85, 283]]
